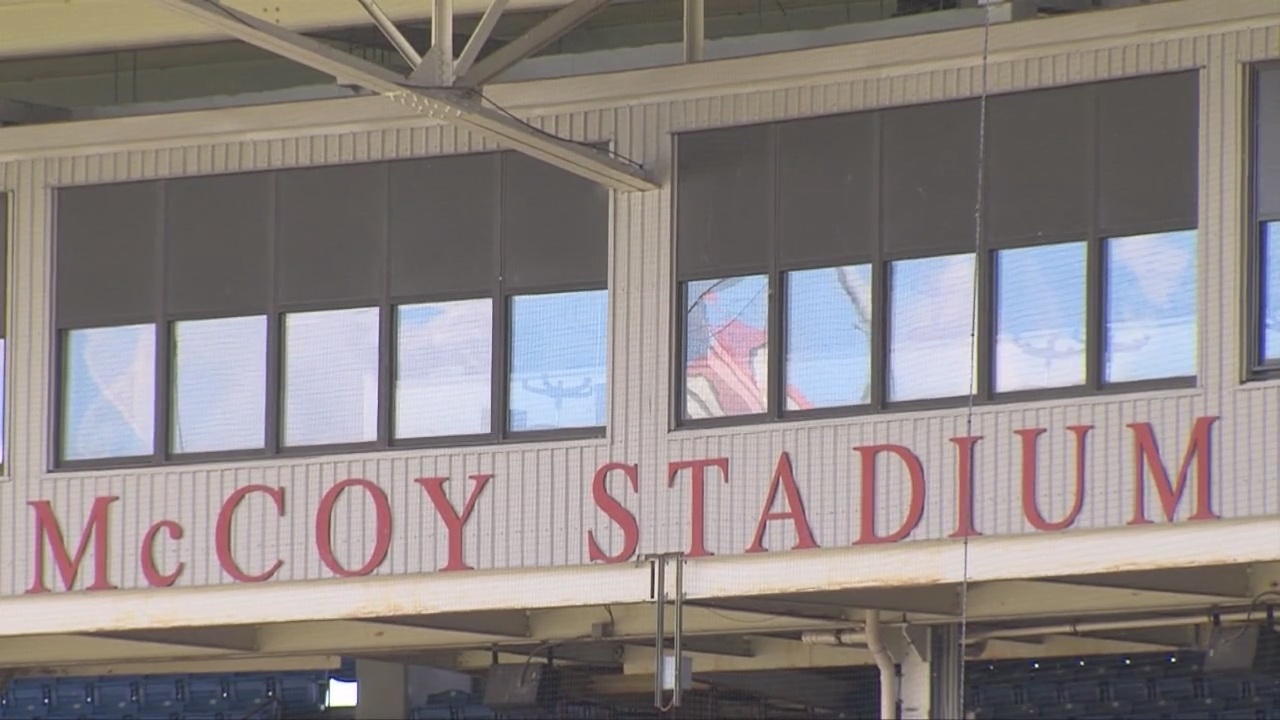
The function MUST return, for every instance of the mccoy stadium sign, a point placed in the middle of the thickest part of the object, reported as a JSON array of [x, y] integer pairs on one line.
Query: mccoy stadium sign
[[1187, 482]]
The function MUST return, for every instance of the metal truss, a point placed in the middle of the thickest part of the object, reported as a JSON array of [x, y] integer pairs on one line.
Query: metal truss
[[431, 89]]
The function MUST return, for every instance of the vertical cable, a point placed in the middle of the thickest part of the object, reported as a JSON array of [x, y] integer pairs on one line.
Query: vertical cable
[[978, 208]]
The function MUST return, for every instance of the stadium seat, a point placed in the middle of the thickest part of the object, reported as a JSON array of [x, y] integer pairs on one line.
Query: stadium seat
[[1175, 689], [1081, 692], [997, 694]]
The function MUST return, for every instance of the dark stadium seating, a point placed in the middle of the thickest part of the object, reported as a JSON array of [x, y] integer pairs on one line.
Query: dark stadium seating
[[1143, 688]]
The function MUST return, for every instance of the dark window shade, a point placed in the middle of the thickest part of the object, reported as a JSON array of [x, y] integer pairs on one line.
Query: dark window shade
[[1039, 166], [443, 226], [1267, 143], [218, 244], [827, 190], [1148, 149], [724, 201], [331, 234], [107, 249], [930, 177], [555, 226]]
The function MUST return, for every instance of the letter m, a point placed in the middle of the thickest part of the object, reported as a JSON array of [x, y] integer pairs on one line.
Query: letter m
[[48, 530], [1199, 453]]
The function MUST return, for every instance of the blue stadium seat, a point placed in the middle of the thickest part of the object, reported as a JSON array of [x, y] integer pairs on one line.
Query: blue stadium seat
[[207, 694], [300, 692], [115, 696], [1040, 692], [1081, 692], [1175, 689], [159, 694], [70, 698], [29, 699], [997, 694]]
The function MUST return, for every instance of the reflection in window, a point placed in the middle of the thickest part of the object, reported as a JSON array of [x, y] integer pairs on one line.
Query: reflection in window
[[219, 384], [930, 328], [828, 337], [1150, 307], [444, 363], [558, 346], [109, 392], [331, 377], [1271, 292], [726, 347], [1040, 317]]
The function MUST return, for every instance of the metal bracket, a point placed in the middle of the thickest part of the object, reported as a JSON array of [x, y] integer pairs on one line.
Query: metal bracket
[[658, 565]]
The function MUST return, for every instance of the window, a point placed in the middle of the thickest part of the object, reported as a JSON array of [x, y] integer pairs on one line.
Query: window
[[1264, 333], [444, 369], [834, 265], [436, 301], [930, 328], [1041, 317], [557, 360], [219, 384]]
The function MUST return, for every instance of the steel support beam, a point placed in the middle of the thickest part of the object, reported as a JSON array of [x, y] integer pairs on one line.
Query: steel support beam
[[454, 107], [394, 36], [479, 37], [695, 33], [538, 37]]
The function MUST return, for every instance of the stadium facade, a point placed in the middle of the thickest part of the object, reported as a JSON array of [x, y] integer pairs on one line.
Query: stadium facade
[[359, 377]]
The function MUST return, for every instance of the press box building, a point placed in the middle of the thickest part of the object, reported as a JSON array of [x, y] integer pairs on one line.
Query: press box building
[[859, 323]]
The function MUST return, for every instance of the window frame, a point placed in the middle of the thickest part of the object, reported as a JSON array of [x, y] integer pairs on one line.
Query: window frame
[[1254, 365], [879, 257], [499, 293]]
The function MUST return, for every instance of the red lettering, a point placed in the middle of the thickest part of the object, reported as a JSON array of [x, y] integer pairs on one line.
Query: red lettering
[[784, 479], [222, 538], [698, 546], [453, 522], [148, 555], [964, 486], [382, 528], [1030, 504], [915, 510], [95, 530], [1147, 452], [616, 511]]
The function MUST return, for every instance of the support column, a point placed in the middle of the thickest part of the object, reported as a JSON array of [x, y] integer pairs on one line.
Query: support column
[[945, 663], [383, 693]]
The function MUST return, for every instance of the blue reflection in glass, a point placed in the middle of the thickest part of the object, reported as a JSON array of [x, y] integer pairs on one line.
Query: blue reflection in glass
[[726, 347], [1040, 317], [1271, 291], [444, 363], [931, 328], [1150, 307], [331, 377], [219, 384], [558, 344], [109, 392], [828, 337]]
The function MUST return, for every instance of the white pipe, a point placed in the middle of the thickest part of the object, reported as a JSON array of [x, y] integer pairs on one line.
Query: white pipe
[[1104, 625], [834, 637], [884, 661]]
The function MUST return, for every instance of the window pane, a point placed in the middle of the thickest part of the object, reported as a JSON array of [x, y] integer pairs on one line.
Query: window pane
[[219, 384], [1151, 307], [1271, 291], [558, 360], [444, 364], [109, 392], [828, 343], [331, 377], [930, 328], [1040, 317], [726, 347]]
